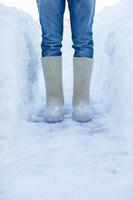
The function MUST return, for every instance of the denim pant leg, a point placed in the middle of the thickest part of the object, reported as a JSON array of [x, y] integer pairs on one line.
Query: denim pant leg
[[81, 15], [51, 14]]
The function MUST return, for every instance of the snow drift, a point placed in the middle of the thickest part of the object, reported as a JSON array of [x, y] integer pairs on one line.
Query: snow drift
[[112, 80], [19, 64]]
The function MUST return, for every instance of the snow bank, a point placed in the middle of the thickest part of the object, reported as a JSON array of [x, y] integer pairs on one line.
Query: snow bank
[[113, 64], [19, 64]]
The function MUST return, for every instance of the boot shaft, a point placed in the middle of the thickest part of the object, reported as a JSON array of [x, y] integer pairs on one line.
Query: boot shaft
[[82, 72], [52, 69]]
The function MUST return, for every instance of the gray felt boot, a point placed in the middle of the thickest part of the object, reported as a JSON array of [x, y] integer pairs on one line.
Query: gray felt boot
[[52, 68], [82, 71]]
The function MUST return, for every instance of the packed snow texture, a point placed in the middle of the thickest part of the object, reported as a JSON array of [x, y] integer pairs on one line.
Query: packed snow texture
[[19, 56], [69, 160]]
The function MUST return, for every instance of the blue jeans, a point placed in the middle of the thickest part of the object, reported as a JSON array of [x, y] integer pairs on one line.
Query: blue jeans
[[51, 18]]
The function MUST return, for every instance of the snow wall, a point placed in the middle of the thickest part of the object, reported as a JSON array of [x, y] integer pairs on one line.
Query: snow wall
[[19, 64]]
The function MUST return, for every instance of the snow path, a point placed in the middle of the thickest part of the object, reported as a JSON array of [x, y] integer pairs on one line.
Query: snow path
[[69, 160], [63, 161]]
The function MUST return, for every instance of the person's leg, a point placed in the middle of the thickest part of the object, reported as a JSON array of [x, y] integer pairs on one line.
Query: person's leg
[[51, 19], [82, 14], [51, 14]]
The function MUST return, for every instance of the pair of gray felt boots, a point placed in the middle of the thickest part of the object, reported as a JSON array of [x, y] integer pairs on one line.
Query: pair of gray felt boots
[[82, 70]]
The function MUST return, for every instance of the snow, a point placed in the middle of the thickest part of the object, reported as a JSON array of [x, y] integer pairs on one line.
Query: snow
[[19, 67], [68, 160]]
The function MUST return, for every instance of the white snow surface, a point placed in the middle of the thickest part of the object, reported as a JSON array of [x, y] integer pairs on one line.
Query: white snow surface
[[19, 64], [69, 160]]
